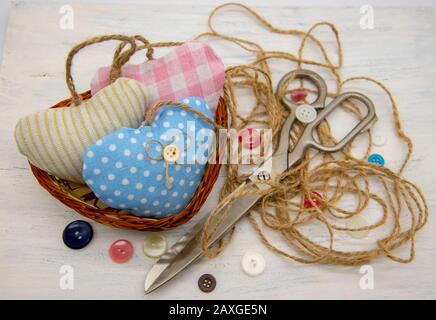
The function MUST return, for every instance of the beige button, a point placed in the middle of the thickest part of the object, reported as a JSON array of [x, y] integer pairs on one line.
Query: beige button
[[379, 139], [305, 113], [253, 263], [171, 153], [155, 245]]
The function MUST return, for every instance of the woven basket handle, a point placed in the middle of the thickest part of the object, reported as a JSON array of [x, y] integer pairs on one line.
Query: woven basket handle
[[116, 64]]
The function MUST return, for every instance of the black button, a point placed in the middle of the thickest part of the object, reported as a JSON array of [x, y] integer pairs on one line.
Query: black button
[[207, 283], [77, 234]]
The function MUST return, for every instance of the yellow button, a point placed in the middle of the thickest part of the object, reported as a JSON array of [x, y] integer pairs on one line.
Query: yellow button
[[155, 245], [171, 153]]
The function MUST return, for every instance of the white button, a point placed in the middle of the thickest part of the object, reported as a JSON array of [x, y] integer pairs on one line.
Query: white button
[[155, 245], [305, 113], [171, 153], [378, 139], [356, 223], [253, 263]]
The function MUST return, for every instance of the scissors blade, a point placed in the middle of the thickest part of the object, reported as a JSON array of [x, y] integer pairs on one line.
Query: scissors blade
[[188, 249], [180, 255]]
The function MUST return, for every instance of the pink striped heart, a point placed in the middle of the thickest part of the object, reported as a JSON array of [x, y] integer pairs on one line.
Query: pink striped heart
[[191, 69]]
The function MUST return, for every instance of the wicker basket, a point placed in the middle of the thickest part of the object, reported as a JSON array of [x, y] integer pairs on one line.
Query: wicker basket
[[89, 206], [80, 197]]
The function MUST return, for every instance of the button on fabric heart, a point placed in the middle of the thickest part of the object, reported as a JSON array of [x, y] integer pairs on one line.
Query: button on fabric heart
[[191, 69], [171, 153], [128, 168]]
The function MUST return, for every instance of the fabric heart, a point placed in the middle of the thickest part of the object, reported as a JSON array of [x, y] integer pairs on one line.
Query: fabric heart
[[192, 69], [128, 168], [54, 140]]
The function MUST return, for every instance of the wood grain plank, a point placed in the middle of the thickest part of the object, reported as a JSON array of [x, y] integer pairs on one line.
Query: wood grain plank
[[399, 52]]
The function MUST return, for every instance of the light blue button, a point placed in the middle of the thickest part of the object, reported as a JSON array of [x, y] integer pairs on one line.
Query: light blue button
[[377, 159]]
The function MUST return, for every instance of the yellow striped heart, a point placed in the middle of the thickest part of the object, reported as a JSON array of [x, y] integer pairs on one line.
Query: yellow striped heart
[[54, 140]]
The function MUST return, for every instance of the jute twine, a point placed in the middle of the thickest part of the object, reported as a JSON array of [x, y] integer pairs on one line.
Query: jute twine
[[334, 176]]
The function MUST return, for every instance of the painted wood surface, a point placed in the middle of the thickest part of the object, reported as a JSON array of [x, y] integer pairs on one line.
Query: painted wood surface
[[399, 51]]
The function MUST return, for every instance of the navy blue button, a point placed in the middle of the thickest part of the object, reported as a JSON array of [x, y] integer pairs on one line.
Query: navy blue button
[[77, 234], [377, 159]]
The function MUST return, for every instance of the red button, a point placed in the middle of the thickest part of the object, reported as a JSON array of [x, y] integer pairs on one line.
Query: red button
[[298, 95], [316, 200], [121, 251], [250, 138]]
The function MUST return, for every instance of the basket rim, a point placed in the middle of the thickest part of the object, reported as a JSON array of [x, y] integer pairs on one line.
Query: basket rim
[[116, 217]]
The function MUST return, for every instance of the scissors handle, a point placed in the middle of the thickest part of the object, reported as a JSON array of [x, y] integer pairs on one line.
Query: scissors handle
[[362, 126], [312, 77]]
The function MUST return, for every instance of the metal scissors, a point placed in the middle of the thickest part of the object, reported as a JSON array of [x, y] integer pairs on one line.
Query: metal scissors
[[188, 249]]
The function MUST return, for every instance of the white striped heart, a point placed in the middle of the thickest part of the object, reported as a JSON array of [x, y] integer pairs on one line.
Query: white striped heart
[[54, 140]]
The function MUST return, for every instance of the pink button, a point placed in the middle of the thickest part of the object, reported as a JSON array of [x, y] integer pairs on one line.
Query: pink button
[[298, 95], [250, 138], [121, 251]]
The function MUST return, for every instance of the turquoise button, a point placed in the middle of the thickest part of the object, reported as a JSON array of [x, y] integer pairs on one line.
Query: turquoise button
[[377, 159]]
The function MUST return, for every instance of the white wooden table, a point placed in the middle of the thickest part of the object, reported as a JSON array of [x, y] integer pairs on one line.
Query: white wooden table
[[400, 51]]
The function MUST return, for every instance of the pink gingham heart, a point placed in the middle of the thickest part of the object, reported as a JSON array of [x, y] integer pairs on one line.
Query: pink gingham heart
[[191, 69]]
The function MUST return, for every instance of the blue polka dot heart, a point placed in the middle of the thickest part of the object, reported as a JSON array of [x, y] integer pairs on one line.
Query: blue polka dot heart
[[154, 170]]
